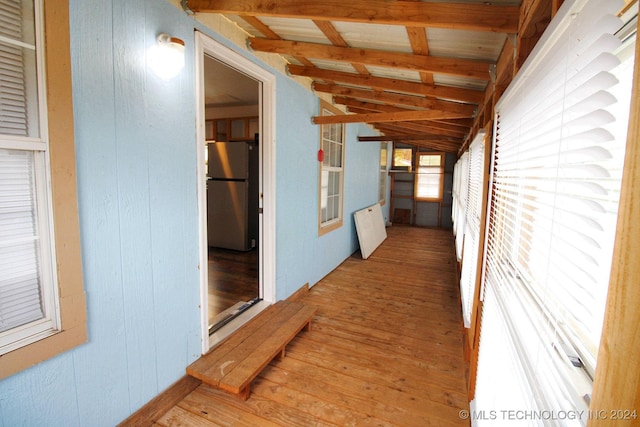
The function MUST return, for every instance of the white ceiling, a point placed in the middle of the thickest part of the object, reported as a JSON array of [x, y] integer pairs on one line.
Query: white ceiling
[[227, 87]]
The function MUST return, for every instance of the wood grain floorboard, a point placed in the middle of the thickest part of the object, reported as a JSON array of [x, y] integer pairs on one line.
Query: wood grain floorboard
[[233, 277], [385, 348]]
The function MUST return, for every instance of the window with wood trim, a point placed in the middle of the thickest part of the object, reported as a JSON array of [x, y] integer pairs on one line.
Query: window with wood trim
[[384, 173], [429, 176], [42, 305], [331, 172], [402, 159]]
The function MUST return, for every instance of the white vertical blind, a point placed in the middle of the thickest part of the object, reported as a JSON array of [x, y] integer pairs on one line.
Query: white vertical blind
[[558, 152]]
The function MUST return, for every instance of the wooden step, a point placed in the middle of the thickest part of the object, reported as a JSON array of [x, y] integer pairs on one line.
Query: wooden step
[[235, 362]]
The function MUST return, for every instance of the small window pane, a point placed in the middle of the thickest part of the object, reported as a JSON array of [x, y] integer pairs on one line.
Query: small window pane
[[326, 148], [18, 78], [402, 158], [336, 155]]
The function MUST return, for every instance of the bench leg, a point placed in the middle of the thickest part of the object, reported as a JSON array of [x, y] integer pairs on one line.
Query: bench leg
[[245, 392]]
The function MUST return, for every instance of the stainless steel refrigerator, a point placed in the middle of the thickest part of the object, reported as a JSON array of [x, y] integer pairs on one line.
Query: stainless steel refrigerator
[[232, 195]]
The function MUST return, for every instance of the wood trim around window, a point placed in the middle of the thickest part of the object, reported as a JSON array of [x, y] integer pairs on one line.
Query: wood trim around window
[[64, 195], [417, 168], [337, 224]]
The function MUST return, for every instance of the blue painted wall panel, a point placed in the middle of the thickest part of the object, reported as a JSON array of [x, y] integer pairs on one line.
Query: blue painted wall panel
[[136, 164]]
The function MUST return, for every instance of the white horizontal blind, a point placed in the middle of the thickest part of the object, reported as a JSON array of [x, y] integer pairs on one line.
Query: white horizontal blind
[[28, 300], [473, 212], [558, 153], [20, 300], [429, 176], [460, 179]]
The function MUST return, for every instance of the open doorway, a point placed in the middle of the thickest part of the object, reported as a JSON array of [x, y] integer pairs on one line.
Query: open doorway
[[232, 117], [236, 188]]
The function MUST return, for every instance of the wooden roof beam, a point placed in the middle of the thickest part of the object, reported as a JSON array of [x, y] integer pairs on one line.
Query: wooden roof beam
[[396, 85], [396, 99], [420, 46], [408, 61], [335, 37], [443, 128], [411, 128], [384, 117], [417, 137], [478, 17], [269, 33]]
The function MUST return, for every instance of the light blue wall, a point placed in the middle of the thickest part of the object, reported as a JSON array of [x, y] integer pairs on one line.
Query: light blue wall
[[302, 255], [136, 158]]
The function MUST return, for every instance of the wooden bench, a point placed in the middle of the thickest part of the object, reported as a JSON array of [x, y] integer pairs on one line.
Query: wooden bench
[[234, 363]]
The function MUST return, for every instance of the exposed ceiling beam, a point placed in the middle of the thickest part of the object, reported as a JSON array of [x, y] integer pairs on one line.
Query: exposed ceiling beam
[[418, 137], [431, 143], [334, 37], [407, 128], [396, 85], [420, 46], [397, 99], [423, 126], [268, 32], [385, 117], [480, 17], [452, 66]]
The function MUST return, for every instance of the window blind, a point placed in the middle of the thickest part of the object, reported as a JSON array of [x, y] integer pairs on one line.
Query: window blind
[[460, 177], [28, 300], [20, 301], [472, 213], [558, 152], [428, 178]]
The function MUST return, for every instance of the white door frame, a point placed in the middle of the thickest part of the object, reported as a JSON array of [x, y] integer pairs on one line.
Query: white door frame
[[267, 222]]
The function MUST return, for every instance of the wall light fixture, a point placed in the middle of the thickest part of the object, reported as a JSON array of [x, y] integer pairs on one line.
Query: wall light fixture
[[166, 58]]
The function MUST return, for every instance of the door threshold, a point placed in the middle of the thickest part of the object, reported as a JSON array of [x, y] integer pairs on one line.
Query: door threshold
[[231, 313], [236, 322]]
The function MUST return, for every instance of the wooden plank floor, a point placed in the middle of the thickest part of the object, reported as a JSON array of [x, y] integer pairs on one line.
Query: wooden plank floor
[[233, 277], [385, 349]]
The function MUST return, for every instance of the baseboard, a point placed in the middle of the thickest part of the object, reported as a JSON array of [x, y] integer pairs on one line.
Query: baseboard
[[160, 404], [300, 293]]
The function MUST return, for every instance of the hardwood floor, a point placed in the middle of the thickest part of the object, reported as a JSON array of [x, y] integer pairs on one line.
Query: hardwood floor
[[385, 349], [233, 277]]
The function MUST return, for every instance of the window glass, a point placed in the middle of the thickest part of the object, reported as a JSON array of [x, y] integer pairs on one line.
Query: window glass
[[429, 176], [331, 171]]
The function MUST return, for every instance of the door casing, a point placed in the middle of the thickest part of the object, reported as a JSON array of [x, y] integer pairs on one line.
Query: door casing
[[205, 45]]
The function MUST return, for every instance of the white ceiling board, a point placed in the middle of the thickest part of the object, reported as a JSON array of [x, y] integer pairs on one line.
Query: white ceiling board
[[244, 25], [301, 30], [227, 87], [374, 36], [326, 64], [394, 73], [465, 44], [463, 82]]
